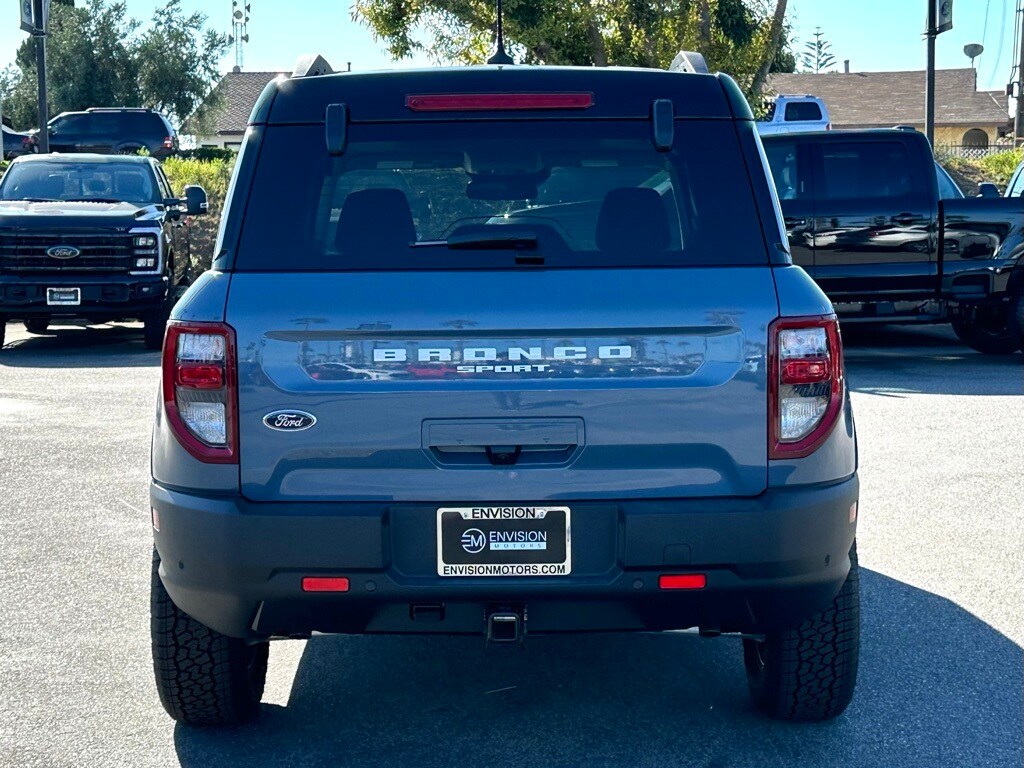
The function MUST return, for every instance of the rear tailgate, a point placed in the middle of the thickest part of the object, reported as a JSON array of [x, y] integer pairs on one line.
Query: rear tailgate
[[503, 386]]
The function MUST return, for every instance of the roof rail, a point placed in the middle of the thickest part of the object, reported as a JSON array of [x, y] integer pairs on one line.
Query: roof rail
[[119, 109], [689, 61], [311, 65]]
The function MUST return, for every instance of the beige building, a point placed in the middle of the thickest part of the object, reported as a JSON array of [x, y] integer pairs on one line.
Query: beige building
[[236, 93], [964, 116]]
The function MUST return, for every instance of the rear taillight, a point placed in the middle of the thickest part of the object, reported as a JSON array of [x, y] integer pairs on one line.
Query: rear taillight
[[805, 384], [168, 142], [200, 390]]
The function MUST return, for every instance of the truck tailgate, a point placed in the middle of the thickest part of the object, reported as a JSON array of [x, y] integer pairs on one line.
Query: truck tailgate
[[503, 385]]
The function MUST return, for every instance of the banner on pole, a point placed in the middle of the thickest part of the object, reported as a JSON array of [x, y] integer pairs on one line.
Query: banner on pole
[[943, 15]]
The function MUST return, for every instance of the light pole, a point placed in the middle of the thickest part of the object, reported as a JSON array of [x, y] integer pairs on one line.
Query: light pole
[[940, 19], [34, 15]]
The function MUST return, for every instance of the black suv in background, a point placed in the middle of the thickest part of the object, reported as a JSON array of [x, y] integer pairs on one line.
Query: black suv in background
[[113, 131], [15, 143], [93, 238]]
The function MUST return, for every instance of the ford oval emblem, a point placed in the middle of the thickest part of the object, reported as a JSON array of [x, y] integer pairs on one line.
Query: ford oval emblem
[[289, 421], [63, 252]]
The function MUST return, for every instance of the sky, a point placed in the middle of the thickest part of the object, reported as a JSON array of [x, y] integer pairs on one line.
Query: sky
[[875, 35]]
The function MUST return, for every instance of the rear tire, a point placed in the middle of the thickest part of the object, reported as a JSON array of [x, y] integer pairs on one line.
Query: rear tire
[[994, 331], [809, 673], [3, 331], [37, 326], [153, 328], [202, 676]]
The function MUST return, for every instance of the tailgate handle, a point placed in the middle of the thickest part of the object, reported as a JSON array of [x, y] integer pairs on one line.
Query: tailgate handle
[[503, 442]]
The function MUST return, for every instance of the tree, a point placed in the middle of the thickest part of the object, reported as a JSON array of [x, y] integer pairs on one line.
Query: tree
[[96, 57], [818, 55], [742, 37], [177, 61]]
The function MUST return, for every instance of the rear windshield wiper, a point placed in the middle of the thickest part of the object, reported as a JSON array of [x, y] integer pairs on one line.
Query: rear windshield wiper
[[37, 200], [513, 241]]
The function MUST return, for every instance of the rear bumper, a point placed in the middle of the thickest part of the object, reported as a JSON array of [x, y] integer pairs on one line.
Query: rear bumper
[[103, 296], [770, 561]]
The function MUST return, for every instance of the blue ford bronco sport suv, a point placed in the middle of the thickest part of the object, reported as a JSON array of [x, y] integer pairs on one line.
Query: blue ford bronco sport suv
[[503, 351]]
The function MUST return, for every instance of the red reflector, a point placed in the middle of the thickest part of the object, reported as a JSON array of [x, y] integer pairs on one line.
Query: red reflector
[[683, 581], [469, 102], [804, 371], [324, 584], [199, 376]]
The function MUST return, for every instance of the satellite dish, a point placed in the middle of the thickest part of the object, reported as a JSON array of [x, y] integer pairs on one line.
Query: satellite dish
[[973, 51]]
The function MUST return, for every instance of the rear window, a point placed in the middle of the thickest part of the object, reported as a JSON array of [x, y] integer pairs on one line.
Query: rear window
[[802, 110], [475, 194]]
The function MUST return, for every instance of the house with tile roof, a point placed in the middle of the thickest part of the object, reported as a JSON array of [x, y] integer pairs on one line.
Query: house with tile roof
[[228, 108], [964, 116]]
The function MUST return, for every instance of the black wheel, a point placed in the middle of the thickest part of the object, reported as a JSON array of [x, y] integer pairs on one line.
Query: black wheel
[[808, 673], [992, 330], [37, 326], [154, 325], [202, 676]]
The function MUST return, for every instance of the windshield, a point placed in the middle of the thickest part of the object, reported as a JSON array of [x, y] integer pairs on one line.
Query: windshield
[[490, 195], [98, 182]]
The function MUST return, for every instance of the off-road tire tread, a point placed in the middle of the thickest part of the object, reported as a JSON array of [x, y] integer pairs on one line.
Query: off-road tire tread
[[201, 675], [811, 671]]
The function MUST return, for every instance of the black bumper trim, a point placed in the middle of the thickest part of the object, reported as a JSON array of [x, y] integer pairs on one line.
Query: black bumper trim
[[770, 562]]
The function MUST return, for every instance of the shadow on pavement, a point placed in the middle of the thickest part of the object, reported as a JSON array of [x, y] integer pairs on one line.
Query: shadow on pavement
[[937, 687], [76, 346], [894, 361]]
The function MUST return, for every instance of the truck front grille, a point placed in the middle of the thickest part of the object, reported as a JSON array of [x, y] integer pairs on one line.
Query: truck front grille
[[97, 252]]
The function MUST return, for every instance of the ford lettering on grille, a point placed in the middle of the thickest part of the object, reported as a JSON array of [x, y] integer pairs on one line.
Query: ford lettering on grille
[[289, 421], [63, 252]]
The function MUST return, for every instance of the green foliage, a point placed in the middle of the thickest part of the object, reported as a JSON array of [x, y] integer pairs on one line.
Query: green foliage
[[999, 167], [213, 176], [818, 56], [996, 168], [98, 56], [209, 153], [735, 36]]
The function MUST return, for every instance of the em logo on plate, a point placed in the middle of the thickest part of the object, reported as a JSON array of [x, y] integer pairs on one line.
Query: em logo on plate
[[473, 540]]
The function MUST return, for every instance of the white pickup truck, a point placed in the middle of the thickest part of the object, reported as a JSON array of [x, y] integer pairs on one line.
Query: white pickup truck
[[795, 114]]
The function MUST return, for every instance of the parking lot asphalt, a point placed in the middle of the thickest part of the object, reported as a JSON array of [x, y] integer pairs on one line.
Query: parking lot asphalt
[[941, 544]]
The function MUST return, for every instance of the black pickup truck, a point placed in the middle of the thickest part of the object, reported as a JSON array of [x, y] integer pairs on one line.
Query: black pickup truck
[[865, 218], [95, 238]]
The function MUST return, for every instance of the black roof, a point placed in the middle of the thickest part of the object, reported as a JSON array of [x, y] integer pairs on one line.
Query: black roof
[[617, 92]]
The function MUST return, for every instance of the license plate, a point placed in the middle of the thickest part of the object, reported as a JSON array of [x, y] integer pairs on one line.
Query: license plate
[[63, 297], [503, 541]]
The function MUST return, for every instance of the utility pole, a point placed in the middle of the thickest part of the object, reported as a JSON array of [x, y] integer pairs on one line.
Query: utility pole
[[940, 19], [1018, 123], [44, 132], [34, 15], [929, 78]]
